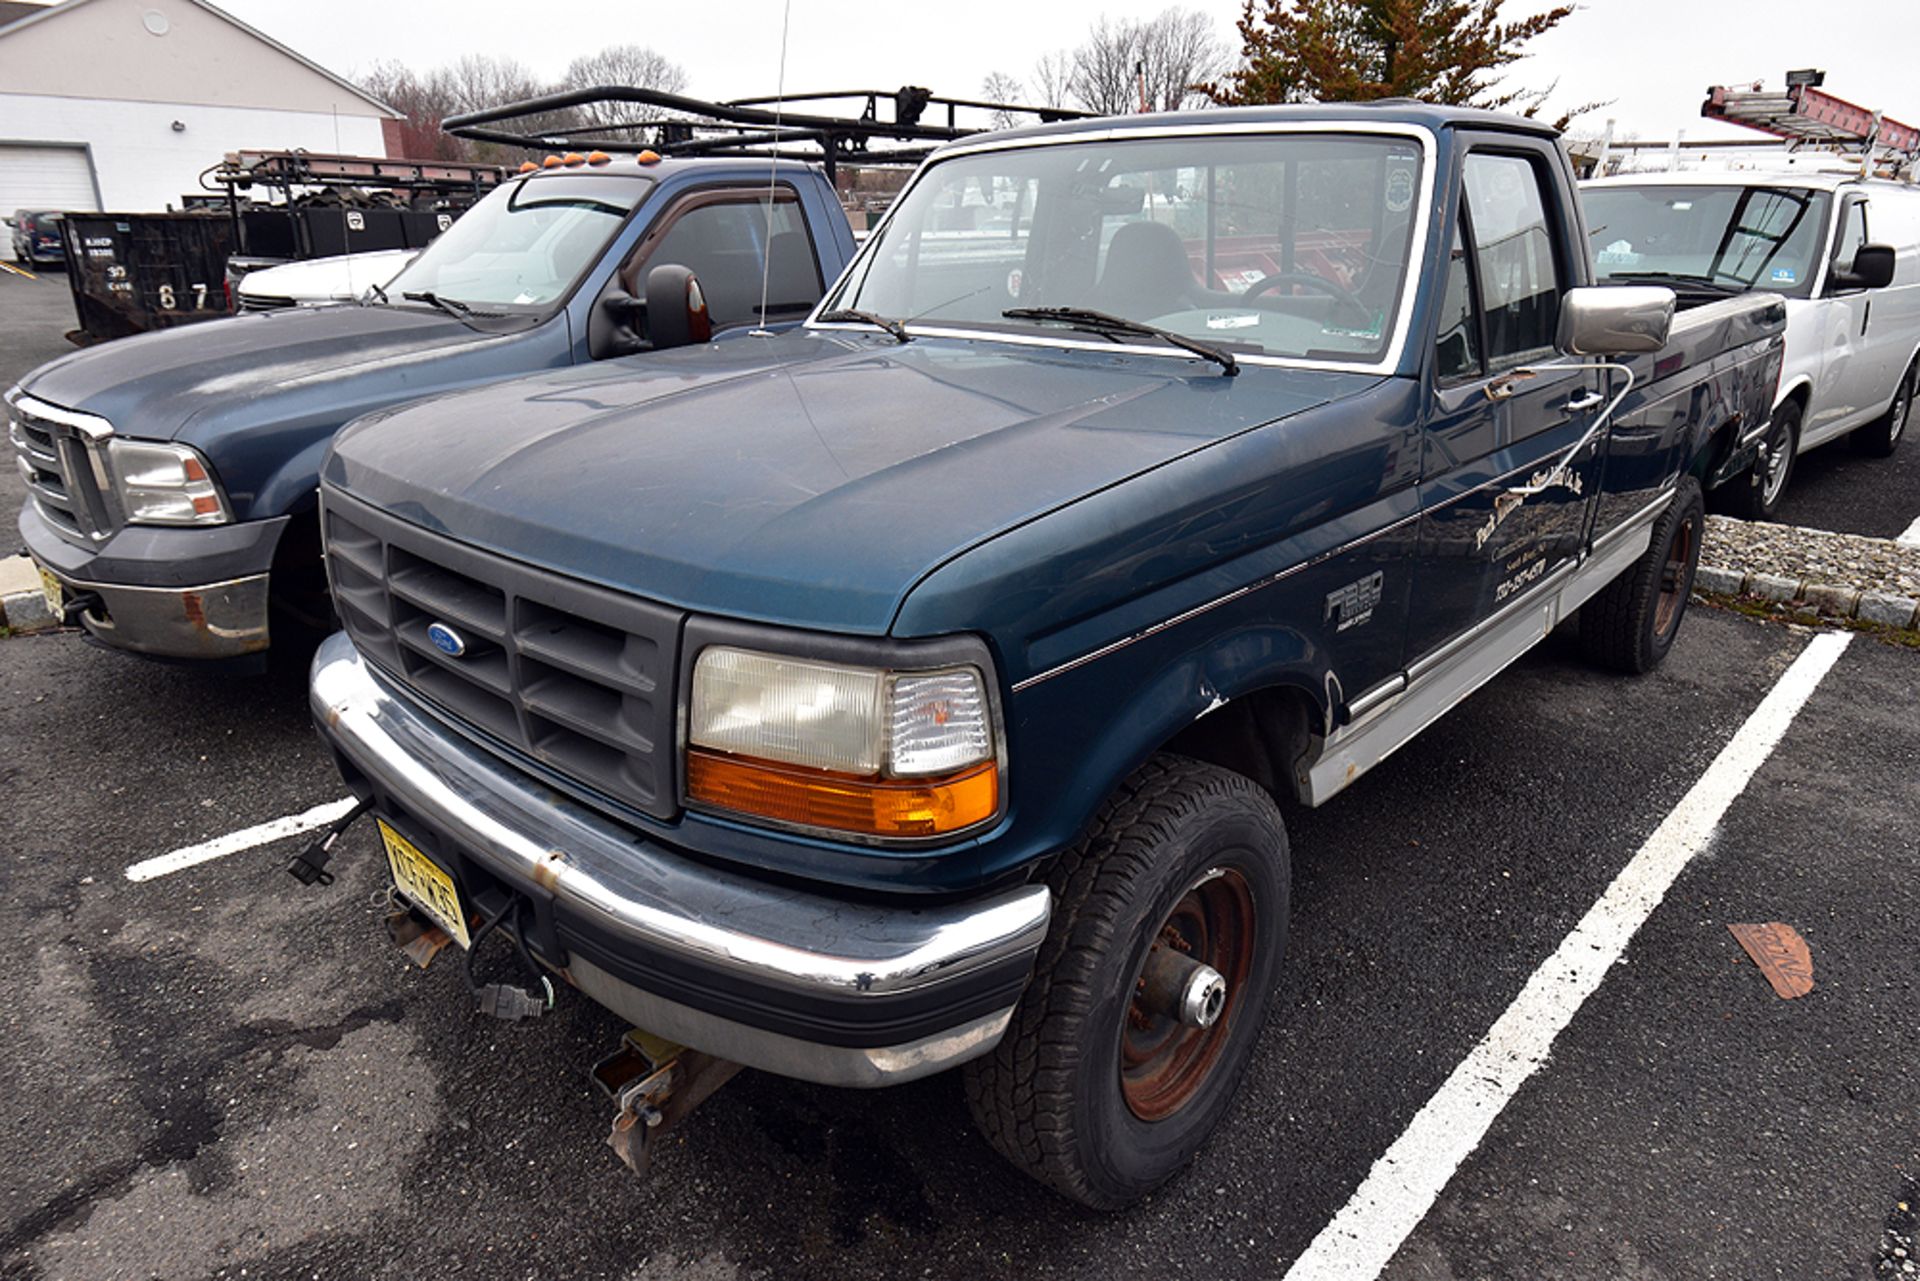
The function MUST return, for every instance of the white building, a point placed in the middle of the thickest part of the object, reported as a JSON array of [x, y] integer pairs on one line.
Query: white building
[[119, 105]]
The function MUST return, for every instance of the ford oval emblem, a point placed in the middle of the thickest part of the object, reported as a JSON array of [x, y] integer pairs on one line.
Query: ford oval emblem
[[446, 640]]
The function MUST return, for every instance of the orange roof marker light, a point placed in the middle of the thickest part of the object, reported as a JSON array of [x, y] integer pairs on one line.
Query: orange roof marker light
[[573, 158], [551, 162], [598, 157], [648, 157], [527, 166]]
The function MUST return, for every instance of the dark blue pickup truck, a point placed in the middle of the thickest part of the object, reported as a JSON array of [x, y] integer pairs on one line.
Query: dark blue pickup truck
[[923, 687], [173, 475]]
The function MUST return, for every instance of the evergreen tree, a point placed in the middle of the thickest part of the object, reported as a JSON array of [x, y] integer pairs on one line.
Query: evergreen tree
[[1446, 51]]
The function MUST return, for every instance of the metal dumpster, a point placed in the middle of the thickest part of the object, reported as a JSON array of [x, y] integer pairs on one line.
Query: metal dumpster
[[134, 272]]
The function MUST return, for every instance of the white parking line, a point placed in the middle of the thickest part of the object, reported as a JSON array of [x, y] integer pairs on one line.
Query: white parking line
[[1910, 538], [1358, 1243], [244, 839]]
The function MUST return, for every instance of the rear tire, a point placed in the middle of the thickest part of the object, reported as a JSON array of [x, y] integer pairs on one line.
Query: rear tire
[[1882, 436], [1756, 495], [1630, 625], [1090, 1091]]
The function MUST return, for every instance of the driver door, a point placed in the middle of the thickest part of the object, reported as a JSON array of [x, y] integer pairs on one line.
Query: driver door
[[1504, 500]]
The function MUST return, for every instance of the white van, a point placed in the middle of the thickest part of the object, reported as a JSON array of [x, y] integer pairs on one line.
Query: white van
[[1845, 253]]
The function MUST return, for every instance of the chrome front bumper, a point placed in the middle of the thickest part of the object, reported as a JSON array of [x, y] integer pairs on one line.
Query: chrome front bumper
[[207, 621], [746, 953]]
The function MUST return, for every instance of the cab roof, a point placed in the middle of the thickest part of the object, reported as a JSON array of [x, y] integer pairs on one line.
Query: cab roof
[[1427, 116]]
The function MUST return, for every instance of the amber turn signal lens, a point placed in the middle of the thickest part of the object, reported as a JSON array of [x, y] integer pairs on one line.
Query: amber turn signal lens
[[844, 802]]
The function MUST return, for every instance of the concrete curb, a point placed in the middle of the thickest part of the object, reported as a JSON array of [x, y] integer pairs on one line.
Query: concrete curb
[[1831, 599], [26, 612], [22, 607]]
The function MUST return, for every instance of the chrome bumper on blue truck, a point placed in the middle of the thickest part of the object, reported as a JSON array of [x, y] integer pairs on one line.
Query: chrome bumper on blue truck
[[792, 981]]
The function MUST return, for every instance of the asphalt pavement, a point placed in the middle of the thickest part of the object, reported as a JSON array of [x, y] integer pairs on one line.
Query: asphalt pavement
[[220, 1073]]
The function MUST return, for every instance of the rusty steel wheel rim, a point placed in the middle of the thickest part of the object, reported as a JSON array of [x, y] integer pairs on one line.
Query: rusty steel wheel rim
[[1673, 577], [1164, 1062]]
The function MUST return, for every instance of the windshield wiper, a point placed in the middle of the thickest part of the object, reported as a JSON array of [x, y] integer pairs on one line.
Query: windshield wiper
[[452, 306], [894, 327], [379, 290], [1707, 283], [1099, 322]]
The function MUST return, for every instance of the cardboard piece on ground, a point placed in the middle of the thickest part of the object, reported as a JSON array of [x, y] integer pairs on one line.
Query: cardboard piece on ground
[[1781, 954]]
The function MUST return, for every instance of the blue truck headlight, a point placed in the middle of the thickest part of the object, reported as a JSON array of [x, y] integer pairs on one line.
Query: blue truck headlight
[[842, 748], [164, 484]]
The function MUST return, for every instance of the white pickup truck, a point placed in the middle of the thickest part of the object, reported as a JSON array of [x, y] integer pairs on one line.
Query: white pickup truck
[[1845, 253], [317, 281]]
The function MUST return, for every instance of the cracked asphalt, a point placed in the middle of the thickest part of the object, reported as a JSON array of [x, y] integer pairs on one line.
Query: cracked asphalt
[[219, 1073]]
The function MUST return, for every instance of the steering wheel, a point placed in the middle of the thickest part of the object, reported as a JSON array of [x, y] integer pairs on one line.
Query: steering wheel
[[1341, 294]]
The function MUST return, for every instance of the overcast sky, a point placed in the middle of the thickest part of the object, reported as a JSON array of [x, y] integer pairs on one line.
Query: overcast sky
[[1655, 58]]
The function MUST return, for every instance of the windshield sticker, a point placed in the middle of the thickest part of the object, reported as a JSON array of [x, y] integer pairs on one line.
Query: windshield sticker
[[1372, 332], [1785, 276], [1014, 280], [1399, 189], [1233, 320], [1618, 254]]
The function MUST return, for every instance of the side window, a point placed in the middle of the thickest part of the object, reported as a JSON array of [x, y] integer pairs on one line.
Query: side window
[[1852, 235], [1457, 346], [720, 242], [1513, 247]]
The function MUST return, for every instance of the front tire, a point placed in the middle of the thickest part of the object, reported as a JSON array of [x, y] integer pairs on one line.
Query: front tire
[[1630, 624], [1756, 496], [1879, 438], [1095, 1091]]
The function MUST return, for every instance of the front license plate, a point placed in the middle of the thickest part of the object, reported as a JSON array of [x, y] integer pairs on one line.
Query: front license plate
[[425, 885], [55, 594]]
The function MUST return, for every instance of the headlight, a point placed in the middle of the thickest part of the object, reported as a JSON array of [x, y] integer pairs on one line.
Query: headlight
[[161, 484], [849, 749]]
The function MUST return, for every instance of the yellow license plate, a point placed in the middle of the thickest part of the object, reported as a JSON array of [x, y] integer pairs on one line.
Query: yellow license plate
[[424, 884], [55, 594]]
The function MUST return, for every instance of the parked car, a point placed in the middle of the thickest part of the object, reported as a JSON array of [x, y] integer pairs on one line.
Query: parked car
[[173, 474], [1842, 250], [315, 281], [36, 236], [915, 690]]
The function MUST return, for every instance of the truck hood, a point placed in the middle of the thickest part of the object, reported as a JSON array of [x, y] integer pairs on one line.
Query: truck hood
[[809, 480], [243, 368]]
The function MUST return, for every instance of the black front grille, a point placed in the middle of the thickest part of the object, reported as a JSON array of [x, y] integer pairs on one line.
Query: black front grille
[[576, 676], [54, 464]]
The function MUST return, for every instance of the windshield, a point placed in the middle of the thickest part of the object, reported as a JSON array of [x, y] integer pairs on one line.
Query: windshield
[[1745, 237], [1282, 244], [525, 245]]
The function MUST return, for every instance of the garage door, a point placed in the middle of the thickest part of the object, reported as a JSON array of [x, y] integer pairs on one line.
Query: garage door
[[40, 177]]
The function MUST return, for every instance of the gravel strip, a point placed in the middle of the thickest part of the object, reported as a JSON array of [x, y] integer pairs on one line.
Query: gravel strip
[[1812, 556], [1844, 575]]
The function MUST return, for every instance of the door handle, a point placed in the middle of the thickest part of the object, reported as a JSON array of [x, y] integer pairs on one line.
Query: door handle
[[1580, 404]]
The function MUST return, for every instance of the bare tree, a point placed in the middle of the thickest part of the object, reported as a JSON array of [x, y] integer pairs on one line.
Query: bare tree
[[1182, 51], [1052, 75], [422, 104], [1102, 76], [1001, 87], [1164, 59], [634, 66]]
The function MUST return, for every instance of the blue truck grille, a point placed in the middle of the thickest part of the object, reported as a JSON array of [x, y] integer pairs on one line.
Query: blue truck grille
[[53, 464], [576, 677]]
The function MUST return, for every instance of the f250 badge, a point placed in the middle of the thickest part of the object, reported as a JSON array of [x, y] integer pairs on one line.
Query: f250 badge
[[1354, 604]]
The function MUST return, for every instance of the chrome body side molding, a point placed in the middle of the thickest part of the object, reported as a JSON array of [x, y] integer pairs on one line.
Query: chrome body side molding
[[1387, 718]]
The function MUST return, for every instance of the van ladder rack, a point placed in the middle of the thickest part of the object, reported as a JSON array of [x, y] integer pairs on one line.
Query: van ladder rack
[[1808, 116]]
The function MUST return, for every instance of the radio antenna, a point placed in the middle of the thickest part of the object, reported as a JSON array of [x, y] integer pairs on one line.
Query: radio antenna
[[773, 169]]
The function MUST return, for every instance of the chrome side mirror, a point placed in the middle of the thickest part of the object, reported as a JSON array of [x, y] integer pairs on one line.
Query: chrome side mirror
[[1615, 320]]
